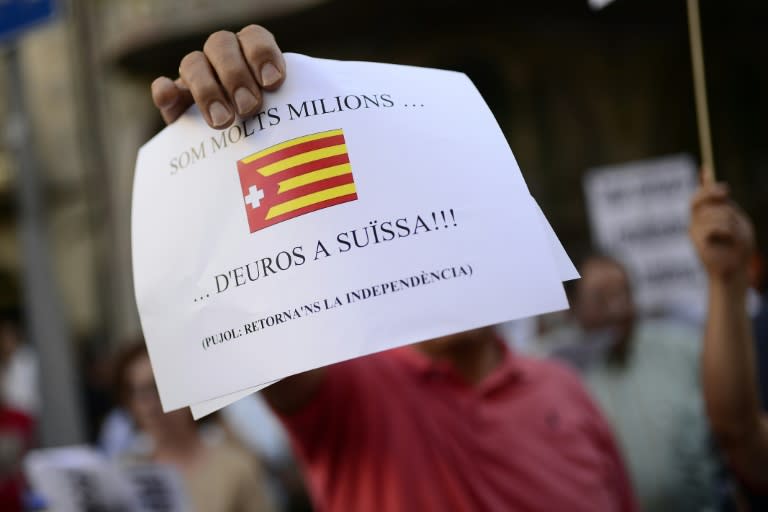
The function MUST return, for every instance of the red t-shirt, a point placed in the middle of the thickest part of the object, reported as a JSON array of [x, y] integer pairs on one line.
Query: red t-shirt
[[399, 432]]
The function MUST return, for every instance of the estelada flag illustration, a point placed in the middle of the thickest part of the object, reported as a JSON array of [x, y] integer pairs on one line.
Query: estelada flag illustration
[[296, 177]]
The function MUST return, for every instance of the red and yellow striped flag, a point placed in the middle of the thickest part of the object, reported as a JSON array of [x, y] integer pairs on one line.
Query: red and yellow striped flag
[[295, 177]]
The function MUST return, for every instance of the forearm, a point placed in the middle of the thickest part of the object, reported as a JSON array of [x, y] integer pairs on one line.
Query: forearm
[[724, 239], [730, 382], [728, 365]]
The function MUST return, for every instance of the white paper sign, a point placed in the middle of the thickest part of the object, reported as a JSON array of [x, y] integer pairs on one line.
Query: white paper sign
[[369, 206], [207, 407], [639, 212], [566, 270]]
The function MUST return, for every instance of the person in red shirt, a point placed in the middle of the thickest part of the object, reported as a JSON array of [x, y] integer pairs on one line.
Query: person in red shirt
[[457, 423]]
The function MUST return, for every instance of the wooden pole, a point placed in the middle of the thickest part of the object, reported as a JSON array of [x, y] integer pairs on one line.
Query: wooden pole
[[700, 89]]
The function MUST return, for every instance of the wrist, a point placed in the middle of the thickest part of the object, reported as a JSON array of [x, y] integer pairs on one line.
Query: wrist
[[734, 285]]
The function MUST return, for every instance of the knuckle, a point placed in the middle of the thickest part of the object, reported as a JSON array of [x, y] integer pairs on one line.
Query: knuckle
[[257, 32], [234, 76], [257, 45], [162, 91], [191, 59], [256, 53], [206, 89], [218, 40], [157, 88]]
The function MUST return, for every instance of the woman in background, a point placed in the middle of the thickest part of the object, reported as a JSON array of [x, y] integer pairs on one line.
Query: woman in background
[[217, 477]]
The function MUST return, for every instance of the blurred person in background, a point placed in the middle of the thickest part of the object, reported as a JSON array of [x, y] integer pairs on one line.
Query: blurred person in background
[[724, 239], [97, 364], [19, 380], [456, 423], [645, 376], [117, 433], [16, 421], [251, 423], [217, 476], [248, 423], [16, 436]]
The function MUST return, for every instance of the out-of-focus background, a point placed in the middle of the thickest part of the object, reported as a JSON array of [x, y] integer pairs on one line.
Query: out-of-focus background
[[574, 89]]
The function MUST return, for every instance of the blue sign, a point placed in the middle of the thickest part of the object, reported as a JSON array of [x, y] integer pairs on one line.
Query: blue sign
[[16, 16]]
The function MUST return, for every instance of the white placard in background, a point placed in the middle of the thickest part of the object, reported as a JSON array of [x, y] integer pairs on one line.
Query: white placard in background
[[639, 213], [78, 478]]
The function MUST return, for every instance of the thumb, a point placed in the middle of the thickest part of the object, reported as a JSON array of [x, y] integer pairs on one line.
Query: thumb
[[171, 98]]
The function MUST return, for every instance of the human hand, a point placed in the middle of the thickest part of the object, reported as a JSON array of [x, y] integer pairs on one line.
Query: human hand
[[721, 232], [224, 79]]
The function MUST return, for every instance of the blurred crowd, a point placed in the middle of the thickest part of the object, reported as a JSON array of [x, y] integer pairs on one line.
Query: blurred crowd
[[643, 371], [653, 412]]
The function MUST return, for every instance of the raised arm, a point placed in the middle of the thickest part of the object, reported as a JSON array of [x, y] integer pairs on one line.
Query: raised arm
[[226, 79], [724, 240]]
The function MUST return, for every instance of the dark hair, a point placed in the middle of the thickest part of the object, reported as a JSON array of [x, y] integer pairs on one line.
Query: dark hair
[[129, 354]]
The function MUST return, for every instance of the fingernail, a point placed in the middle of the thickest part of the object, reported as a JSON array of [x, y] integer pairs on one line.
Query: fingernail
[[269, 74], [244, 100], [219, 113]]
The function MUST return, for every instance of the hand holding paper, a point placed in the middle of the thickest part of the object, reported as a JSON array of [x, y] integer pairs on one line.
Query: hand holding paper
[[363, 207], [225, 79]]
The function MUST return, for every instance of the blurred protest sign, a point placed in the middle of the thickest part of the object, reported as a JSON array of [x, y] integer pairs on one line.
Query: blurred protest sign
[[78, 478], [639, 213], [157, 488], [367, 207]]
